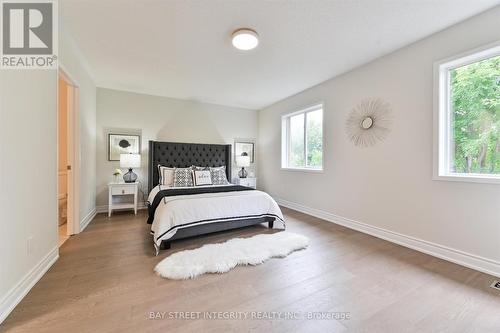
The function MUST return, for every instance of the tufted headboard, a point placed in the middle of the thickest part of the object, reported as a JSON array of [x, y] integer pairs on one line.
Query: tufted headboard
[[183, 155]]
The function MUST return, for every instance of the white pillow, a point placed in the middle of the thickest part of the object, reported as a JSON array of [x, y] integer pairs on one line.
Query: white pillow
[[202, 177], [166, 175]]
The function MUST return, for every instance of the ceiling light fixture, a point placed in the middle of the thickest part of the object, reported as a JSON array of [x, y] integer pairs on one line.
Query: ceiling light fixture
[[245, 39]]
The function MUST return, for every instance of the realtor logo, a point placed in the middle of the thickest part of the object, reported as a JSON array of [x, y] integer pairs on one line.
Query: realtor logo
[[29, 38]]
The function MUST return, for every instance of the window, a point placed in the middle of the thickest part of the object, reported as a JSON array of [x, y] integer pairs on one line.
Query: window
[[302, 139], [468, 117]]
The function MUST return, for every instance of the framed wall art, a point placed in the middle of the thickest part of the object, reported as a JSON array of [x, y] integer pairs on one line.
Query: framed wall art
[[123, 144], [245, 146]]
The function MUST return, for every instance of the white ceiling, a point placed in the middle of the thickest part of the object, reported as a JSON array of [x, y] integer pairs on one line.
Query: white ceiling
[[182, 48]]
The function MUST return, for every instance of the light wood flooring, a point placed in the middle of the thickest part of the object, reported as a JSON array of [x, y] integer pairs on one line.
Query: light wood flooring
[[104, 282]]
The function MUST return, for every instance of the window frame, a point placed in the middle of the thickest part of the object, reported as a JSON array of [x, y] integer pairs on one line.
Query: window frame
[[285, 138], [443, 131]]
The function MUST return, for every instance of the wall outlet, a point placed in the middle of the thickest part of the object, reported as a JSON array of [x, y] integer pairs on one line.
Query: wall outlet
[[495, 285], [29, 245]]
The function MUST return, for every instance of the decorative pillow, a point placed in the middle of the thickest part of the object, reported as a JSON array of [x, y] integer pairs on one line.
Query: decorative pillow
[[183, 177], [166, 175], [218, 175], [202, 177]]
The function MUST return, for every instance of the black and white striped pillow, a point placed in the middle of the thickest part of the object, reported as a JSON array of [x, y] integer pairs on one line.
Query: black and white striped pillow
[[218, 175], [166, 175], [183, 177]]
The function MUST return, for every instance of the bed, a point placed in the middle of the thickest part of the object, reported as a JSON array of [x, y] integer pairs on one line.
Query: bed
[[181, 212]]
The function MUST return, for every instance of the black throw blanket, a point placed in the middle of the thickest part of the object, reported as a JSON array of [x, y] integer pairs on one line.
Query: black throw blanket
[[189, 191]]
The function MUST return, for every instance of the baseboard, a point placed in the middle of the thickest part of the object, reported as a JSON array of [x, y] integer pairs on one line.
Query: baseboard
[[87, 219], [16, 294], [104, 208], [475, 262]]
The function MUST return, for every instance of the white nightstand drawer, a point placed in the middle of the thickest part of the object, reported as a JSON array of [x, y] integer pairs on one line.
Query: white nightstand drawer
[[248, 182], [245, 182], [122, 190]]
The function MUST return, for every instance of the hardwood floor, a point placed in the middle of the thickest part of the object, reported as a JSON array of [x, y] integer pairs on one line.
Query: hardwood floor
[[104, 282]]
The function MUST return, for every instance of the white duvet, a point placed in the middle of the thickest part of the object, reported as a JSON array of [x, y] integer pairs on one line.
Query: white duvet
[[176, 212]]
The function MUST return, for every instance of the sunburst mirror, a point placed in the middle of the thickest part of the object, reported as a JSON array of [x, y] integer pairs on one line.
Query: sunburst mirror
[[369, 122]]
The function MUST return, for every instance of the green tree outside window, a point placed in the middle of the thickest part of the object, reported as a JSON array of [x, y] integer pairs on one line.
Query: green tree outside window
[[475, 107]]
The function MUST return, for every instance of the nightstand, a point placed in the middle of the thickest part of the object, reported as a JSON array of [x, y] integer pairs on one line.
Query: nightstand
[[248, 182], [122, 190]]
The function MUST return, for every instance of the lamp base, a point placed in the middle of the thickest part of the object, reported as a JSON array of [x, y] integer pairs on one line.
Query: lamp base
[[242, 173], [129, 177]]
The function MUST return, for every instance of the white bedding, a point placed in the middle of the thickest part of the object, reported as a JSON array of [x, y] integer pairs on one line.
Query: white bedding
[[176, 212]]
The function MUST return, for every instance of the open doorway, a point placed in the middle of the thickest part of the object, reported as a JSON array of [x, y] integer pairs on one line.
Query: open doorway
[[68, 219]]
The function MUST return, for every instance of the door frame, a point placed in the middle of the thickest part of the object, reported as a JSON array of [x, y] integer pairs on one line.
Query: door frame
[[73, 137]]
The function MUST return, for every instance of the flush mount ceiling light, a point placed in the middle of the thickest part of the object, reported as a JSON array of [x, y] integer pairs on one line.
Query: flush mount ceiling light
[[245, 39]]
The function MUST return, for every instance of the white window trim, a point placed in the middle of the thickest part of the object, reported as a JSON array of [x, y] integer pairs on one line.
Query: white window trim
[[285, 137], [442, 124]]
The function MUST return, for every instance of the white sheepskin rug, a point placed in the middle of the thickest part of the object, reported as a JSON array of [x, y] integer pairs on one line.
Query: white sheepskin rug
[[222, 257]]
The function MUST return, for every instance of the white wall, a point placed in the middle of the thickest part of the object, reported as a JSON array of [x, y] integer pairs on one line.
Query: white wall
[[75, 66], [28, 165], [163, 119], [390, 186]]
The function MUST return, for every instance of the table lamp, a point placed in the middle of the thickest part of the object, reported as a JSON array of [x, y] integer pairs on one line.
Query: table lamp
[[130, 161], [243, 161]]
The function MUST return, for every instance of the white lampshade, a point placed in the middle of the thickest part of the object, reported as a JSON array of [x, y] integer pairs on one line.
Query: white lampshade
[[243, 161], [130, 161]]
